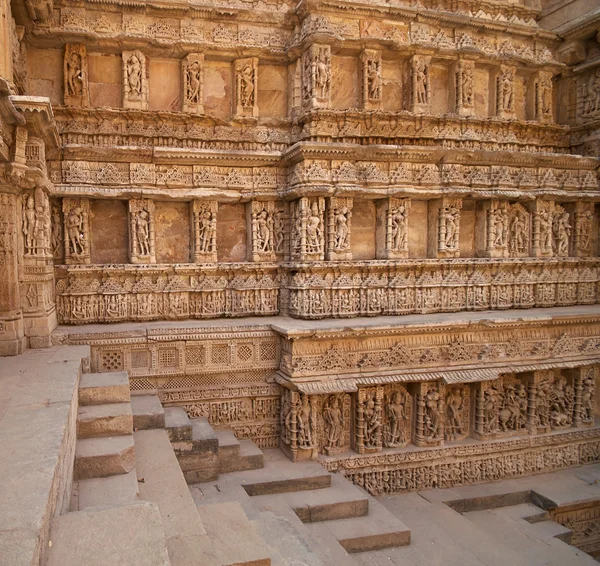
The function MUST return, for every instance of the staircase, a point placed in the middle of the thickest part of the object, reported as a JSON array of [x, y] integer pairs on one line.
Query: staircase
[[322, 518], [203, 452]]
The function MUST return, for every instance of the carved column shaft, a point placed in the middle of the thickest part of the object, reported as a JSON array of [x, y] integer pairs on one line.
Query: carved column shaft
[[76, 81], [372, 80], [420, 72], [392, 228], [462, 76], [505, 92], [316, 77], [444, 217], [192, 83]]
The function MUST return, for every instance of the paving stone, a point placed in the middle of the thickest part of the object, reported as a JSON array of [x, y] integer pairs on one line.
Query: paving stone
[[163, 483], [111, 419], [130, 535], [147, 412], [101, 388], [249, 457], [177, 424], [106, 456], [111, 491], [379, 529]]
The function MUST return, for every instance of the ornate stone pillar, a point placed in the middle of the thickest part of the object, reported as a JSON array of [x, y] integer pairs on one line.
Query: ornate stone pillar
[[12, 339], [421, 83], [339, 223], [76, 232], [542, 212], [308, 229], [429, 414], [135, 80], [142, 246], [561, 231], [204, 226], [37, 276], [76, 82], [372, 81], [505, 92], [246, 87], [462, 89], [316, 77], [582, 233], [299, 425], [192, 83], [368, 430], [444, 215], [392, 228]]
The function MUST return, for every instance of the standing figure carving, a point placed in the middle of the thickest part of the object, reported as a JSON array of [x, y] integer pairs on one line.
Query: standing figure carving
[[422, 82], [306, 423], [433, 417], [75, 231], [342, 231], [397, 419], [246, 79], [562, 231], [372, 424], [519, 232], [74, 74], [591, 94], [399, 217], [454, 415], [30, 229], [452, 217], [374, 79], [142, 231], [314, 230], [334, 422], [134, 75], [194, 82]]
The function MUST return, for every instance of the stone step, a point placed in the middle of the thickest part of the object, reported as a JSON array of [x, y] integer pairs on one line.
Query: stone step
[[102, 388], [164, 484], [106, 456], [378, 530], [111, 419], [147, 412], [177, 424], [231, 538], [342, 500], [199, 457], [229, 445], [280, 475], [111, 491], [125, 535], [286, 545], [249, 457]]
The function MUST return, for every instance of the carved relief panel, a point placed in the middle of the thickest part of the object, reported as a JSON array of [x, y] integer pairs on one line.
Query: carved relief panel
[[281, 228], [135, 80], [589, 94], [36, 224], [372, 81], [463, 94], [582, 233], [421, 83], [316, 77], [368, 426], [554, 404], [246, 87], [76, 215], [457, 412], [501, 407], [142, 245], [397, 416], [392, 228], [308, 229], [339, 220], [204, 223], [76, 83], [429, 414], [192, 83], [56, 237], [505, 92], [261, 223], [585, 395]]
